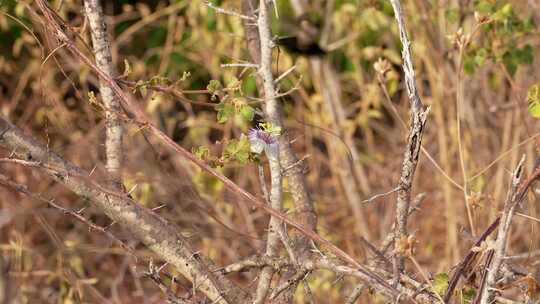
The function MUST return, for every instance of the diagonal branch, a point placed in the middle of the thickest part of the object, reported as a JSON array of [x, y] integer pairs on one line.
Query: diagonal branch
[[512, 200], [304, 228], [152, 230], [471, 255]]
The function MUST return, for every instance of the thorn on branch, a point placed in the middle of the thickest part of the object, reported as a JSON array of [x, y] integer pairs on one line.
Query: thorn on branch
[[229, 12]]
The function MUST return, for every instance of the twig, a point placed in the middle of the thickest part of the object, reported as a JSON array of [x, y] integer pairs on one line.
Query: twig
[[306, 214], [425, 277], [389, 239], [512, 200], [5, 181], [480, 290], [376, 196], [464, 264], [293, 281], [153, 274], [256, 261], [405, 294], [355, 294], [307, 291], [351, 299], [159, 235], [459, 96], [287, 243], [467, 260], [523, 256], [404, 125], [240, 65], [284, 74], [228, 12]]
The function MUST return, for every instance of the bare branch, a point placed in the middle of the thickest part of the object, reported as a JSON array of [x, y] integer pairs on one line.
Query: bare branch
[[512, 200], [291, 282], [240, 65], [5, 181], [260, 51], [414, 142], [153, 274], [228, 12], [376, 196], [102, 52], [284, 74], [256, 261], [273, 116], [304, 208], [471, 255], [156, 233]]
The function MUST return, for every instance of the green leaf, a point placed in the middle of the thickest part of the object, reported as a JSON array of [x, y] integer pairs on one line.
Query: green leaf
[[157, 37], [268, 127], [533, 97], [211, 22], [509, 61], [160, 81], [469, 64], [238, 150], [249, 85], [440, 283], [214, 87], [202, 152], [478, 184], [247, 112], [503, 13], [525, 55], [392, 86], [484, 7], [481, 56], [452, 15], [224, 112], [233, 83]]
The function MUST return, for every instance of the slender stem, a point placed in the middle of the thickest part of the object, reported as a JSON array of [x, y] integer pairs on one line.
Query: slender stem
[[459, 97]]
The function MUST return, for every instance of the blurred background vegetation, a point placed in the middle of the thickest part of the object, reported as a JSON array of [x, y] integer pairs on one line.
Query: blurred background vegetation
[[479, 54]]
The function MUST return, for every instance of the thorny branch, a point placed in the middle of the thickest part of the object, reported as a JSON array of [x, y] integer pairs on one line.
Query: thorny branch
[[102, 51], [471, 255], [153, 274], [306, 222], [156, 233], [7, 182], [414, 142], [175, 249], [512, 200], [141, 119], [259, 42]]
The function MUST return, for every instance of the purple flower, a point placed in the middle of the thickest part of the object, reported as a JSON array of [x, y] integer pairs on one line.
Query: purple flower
[[261, 140]]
